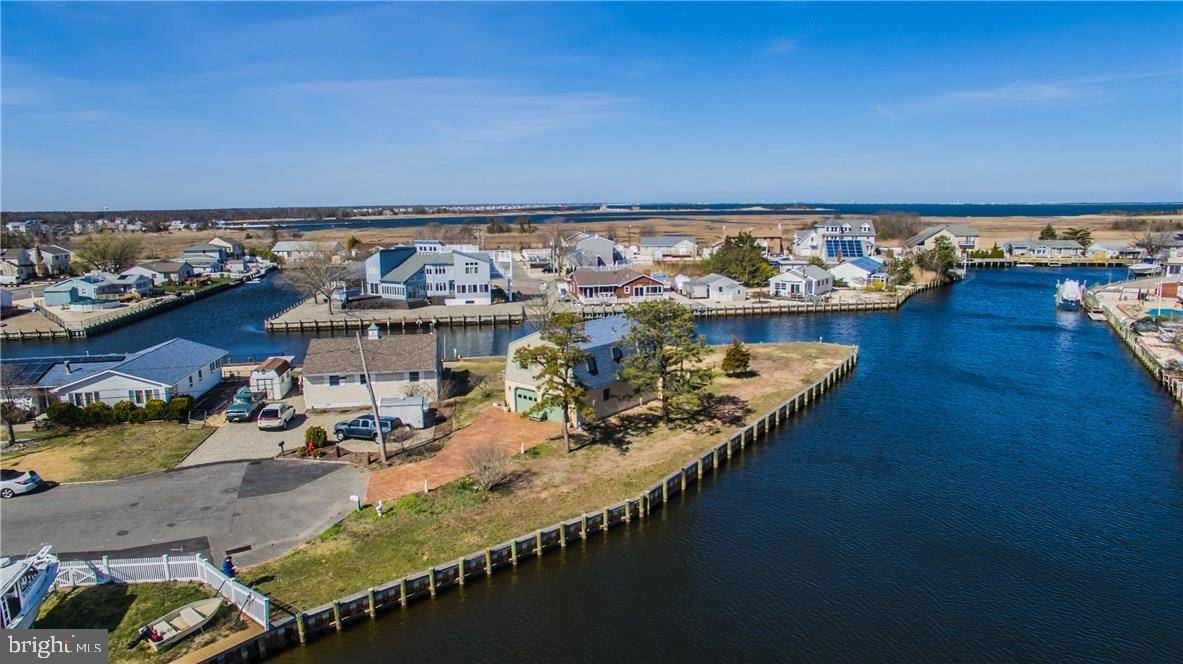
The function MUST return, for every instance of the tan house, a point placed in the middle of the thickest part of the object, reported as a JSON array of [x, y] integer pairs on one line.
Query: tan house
[[611, 286], [964, 238], [404, 365]]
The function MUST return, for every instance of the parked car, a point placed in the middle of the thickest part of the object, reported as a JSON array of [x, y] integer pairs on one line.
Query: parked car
[[275, 416], [13, 482], [363, 427], [245, 403]]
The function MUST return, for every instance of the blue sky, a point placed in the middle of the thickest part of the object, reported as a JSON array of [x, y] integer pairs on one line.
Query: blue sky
[[209, 105]]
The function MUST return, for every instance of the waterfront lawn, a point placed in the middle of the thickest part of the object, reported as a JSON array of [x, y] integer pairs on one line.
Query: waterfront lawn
[[124, 609], [633, 452], [105, 453], [477, 383]]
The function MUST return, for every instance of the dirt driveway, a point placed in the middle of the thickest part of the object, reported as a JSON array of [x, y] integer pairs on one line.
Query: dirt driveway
[[508, 431]]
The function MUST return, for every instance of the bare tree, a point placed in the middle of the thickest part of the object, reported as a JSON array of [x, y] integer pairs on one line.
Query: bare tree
[[553, 235], [12, 398], [108, 252], [488, 465], [1151, 241], [318, 275]]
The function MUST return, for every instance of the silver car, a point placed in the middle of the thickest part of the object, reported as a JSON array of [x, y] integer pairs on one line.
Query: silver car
[[275, 416], [13, 482]]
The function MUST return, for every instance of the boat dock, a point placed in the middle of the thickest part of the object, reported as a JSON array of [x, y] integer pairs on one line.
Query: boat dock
[[1048, 262], [1114, 303]]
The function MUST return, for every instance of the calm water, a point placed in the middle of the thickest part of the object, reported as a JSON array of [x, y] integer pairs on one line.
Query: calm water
[[996, 482], [581, 214]]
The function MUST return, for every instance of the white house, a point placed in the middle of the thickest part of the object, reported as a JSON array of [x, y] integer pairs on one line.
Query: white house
[[26, 226], [835, 240], [52, 258], [298, 250], [175, 367], [273, 377], [668, 246], [233, 249], [801, 283], [161, 272], [589, 250], [1045, 248], [605, 392], [15, 266], [400, 366], [431, 273], [130, 283], [859, 272], [714, 287]]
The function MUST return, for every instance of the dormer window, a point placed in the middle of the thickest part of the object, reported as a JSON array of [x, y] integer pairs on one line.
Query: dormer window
[[591, 366], [866, 228], [845, 228], [617, 353]]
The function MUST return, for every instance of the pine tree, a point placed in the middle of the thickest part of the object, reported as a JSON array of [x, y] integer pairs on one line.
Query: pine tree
[[556, 361], [668, 357], [738, 358]]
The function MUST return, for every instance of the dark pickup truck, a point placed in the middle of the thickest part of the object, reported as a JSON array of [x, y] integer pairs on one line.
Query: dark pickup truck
[[246, 403]]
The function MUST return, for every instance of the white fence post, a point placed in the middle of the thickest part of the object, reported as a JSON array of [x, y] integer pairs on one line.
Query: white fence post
[[167, 572], [106, 568]]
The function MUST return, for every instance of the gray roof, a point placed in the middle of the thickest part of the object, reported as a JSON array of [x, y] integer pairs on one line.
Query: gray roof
[[170, 361], [805, 271], [713, 277], [54, 249], [959, 230], [306, 245], [1058, 244], [204, 247], [665, 240], [402, 352], [415, 262], [163, 267]]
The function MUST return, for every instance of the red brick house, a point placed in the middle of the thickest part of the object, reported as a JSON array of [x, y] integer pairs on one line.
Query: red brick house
[[611, 286]]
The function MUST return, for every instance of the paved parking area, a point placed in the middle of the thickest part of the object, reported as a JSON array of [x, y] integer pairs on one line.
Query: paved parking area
[[235, 441], [260, 508]]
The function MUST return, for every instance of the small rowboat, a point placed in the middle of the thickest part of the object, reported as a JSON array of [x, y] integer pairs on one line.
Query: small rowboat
[[180, 623]]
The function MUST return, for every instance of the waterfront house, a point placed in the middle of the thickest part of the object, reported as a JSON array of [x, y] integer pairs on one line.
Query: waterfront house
[[175, 367], [605, 392], [614, 286], [715, 288], [859, 272], [659, 247], [963, 238], [205, 264], [232, 249], [426, 273], [295, 251], [1045, 248], [273, 377], [836, 240], [808, 282], [205, 250], [399, 366], [15, 266], [585, 250], [137, 284], [162, 272], [27, 227], [89, 289]]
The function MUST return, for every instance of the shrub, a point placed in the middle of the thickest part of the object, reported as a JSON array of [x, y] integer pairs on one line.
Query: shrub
[[178, 408], [316, 437], [155, 409], [875, 286], [99, 413], [124, 411], [488, 465], [738, 358], [65, 414]]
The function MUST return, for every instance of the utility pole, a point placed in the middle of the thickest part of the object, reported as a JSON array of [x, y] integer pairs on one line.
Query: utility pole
[[365, 370]]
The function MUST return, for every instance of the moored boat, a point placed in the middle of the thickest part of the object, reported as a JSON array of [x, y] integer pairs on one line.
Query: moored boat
[[1069, 295], [180, 623], [24, 584], [1144, 269]]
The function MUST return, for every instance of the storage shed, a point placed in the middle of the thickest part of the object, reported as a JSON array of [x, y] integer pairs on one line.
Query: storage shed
[[273, 377]]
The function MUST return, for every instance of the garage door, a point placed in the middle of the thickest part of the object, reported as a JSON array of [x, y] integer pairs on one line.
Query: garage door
[[524, 399]]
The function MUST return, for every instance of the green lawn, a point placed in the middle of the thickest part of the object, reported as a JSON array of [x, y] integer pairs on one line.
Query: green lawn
[[105, 453], [124, 609], [418, 531]]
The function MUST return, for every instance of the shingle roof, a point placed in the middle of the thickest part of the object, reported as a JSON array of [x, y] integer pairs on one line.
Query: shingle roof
[[712, 278], [164, 267], [617, 277], [276, 364], [415, 262], [170, 361], [959, 230], [204, 247], [404, 352]]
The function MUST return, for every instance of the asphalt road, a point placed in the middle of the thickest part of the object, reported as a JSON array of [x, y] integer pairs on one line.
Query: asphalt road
[[259, 508]]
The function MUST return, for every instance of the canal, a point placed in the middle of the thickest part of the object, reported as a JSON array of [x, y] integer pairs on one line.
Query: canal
[[997, 481]]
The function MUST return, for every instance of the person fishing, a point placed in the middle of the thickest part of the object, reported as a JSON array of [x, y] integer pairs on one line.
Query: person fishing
[[228, 567]]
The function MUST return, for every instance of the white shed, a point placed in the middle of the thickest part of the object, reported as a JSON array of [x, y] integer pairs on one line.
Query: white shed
[[412, 411], [273, 377]]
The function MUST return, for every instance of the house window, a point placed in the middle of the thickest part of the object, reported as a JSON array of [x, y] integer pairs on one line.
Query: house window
[[617, 353], [361, 379], [334, 381], [607, 394], [522, 364], [627, 289], [156, 394], [413, 376], [591, 366], [190, 380], [199, 376]]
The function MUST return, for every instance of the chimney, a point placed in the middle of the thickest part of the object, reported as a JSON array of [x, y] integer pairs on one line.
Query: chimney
[[372, 331]]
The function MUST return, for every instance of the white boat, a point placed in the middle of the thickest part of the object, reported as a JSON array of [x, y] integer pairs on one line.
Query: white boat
[[1024, 265], [1144, 269], [180, 623], [1069, 295], [24, 585]]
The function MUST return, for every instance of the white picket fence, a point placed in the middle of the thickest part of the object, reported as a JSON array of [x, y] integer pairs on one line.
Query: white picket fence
[[252, 603]]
